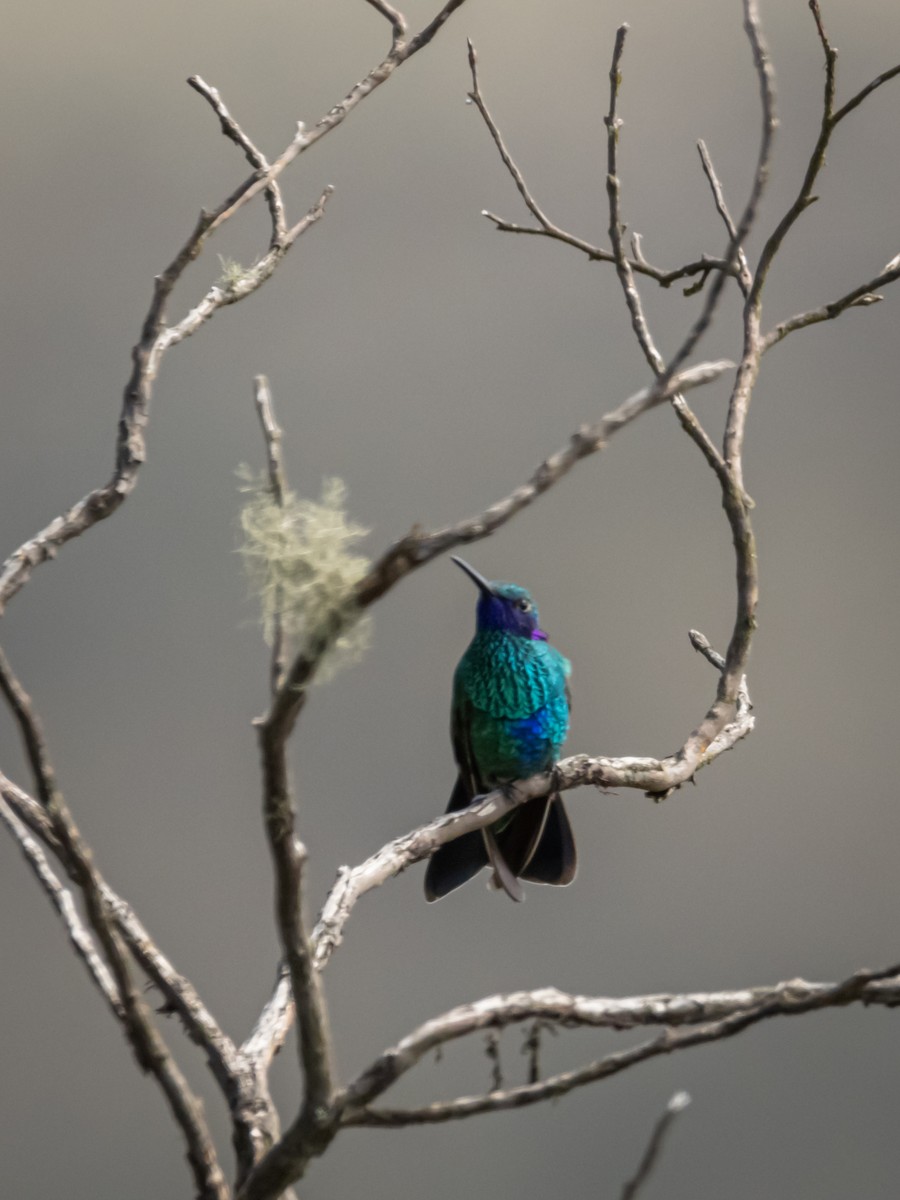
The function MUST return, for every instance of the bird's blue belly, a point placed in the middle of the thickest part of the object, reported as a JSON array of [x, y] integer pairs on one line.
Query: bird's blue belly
[[513, 748]]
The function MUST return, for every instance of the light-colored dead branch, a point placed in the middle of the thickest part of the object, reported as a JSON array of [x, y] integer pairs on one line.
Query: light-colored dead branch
[[61, 899], [150, 1050], [547, 228], [688, 1020], [278, 487], [744, 276], [157, 337]]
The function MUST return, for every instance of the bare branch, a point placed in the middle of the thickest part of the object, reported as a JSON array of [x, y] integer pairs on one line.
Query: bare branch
[[766, 78], [702, 267], [179, 993], [722, 727], [735, 500], [241, 1079], [272, 437], [658, 777], [518, 178], [289, 857], [830, 120], [420, 547], [616, 228], [863, 93], [150, 1050], [689, 1020], [156, 338], [676, 1105], [547, 228], [230, 292], [278, 486], [62, 901], [700, 642], [397, 19], [744, 277], [401, 51], [816, 162], [31, 813], [31, 732], [689, 421], [830, 67], [860, 297], [255, 157], [272, 1025]]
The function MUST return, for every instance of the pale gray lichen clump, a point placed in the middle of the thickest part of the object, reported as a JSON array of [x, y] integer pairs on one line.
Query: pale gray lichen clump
[[233, 273], [300, 560]]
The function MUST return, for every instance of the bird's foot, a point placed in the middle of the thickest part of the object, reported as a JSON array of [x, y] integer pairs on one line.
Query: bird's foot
[[556, 779], [507, 790], [510, 791]]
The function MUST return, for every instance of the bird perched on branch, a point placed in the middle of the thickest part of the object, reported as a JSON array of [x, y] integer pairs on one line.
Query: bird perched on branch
[[509, 719]]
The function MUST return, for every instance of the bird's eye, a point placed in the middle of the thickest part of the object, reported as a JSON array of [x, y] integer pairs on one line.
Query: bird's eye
[[524, 605]]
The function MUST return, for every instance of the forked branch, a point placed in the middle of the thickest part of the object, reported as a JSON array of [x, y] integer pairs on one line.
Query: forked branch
[[687, 1020]]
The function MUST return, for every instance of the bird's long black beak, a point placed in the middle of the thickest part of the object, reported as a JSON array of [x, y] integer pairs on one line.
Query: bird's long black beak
[[478, 580]]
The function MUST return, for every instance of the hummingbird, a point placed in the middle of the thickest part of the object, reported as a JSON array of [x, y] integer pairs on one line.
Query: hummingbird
[[509, 719]]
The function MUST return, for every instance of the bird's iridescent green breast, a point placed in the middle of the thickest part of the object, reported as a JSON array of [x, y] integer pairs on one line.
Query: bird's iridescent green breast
[[509, 676], [511, 693]]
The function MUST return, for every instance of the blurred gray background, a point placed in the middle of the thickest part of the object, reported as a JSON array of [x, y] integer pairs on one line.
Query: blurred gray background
[[431, 363]]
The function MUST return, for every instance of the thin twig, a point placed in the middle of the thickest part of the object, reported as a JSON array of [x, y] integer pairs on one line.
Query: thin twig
[[314, 1126], [860, 297], [61, 899], [735, 500], [278, 487], [547, 228], [703, 266], [676, 1105], [401, 51], [616, 228], [744, 277], [288, 855], [863, 93], [804, 197], [690, 423], [766, 79], [623, 269], [397, 19], [255, 157]]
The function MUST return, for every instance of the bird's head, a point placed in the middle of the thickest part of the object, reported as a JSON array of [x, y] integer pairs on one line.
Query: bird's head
[[504, 606]]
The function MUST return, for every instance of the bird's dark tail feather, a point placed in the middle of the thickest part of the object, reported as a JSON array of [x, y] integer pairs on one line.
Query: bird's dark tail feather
[[454, 863], [537, 844], [504, 876], [554, 859]]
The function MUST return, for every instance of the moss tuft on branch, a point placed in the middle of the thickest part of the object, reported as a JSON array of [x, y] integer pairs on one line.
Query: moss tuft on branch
[[299, 555]]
